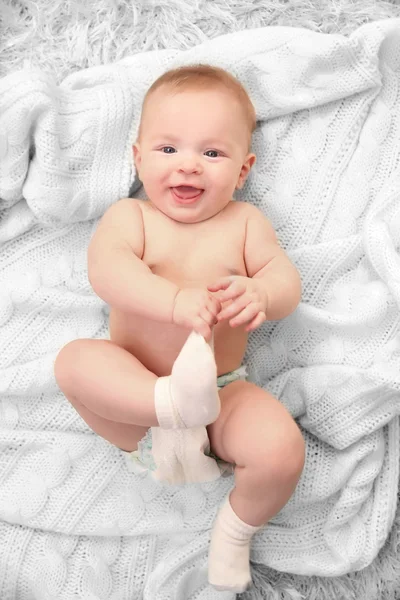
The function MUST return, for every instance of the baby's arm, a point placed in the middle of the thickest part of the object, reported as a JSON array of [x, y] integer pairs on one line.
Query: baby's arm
[[269, 265], [115, 269], [272, 288]]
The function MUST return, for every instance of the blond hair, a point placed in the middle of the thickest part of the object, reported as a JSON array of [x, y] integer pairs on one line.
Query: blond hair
[[204, 77]]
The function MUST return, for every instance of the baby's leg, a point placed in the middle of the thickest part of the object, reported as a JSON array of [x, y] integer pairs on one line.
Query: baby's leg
[[256, 433], [111, 383], [107, 380], [123, 435]]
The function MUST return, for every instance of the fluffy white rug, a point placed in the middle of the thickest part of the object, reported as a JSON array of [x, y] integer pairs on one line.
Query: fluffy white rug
[[32, 397]]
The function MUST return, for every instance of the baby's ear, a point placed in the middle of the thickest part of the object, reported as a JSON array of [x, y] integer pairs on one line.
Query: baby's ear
[[136, 155], [245, 170]]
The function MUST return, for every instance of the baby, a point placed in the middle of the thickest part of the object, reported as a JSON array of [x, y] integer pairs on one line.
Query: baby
[[190, 259]]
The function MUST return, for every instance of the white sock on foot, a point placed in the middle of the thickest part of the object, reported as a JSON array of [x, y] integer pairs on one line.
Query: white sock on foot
[[189, 396], [229, 555]]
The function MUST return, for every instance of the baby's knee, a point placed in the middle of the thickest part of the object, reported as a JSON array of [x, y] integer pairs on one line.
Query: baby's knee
[[67, 357], [286, 457]]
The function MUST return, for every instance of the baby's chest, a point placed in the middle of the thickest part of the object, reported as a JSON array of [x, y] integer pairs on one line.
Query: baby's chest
[[195, 260]]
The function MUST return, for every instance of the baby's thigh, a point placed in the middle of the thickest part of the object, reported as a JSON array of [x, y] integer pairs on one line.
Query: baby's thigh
[[123, 435], [254, 427]]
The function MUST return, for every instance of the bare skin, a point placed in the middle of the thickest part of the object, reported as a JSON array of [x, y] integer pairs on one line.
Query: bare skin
[[185, 256], [165, 268]]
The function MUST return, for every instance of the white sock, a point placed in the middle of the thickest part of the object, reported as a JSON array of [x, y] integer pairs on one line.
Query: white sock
[[229, 554], [189, 396]]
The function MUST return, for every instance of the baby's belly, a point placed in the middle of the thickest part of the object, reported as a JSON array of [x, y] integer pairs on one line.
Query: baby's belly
[[156, 345]]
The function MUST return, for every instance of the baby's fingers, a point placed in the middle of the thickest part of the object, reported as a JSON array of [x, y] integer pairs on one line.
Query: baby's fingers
[[234, 309], [257, 321], [214, 307], [232, 288], [208, 317], [201, 327], [220, 284], [245, 316]]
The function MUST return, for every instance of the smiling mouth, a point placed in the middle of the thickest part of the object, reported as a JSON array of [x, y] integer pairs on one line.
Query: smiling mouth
[[186, 194]]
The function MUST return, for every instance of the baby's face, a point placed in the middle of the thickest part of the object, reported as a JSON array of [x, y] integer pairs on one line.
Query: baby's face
[[197, 139]]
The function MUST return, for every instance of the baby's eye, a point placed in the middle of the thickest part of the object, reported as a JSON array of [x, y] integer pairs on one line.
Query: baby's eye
[[165, 148], [215, 153]]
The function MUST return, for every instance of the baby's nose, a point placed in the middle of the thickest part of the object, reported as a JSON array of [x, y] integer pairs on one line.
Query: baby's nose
[[189, 164]]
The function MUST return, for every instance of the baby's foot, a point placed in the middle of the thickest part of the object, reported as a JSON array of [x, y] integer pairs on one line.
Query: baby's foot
[[229, 555], [189, 396]]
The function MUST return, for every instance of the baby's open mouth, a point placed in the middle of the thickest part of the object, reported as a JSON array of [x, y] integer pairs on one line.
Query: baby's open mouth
[[187, 192]]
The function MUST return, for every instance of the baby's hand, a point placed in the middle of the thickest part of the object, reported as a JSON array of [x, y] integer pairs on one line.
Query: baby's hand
[[249, 301], [196, 309]]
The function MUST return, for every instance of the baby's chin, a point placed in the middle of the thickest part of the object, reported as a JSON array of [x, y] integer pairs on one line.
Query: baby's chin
[[189, 214], [198, 211]]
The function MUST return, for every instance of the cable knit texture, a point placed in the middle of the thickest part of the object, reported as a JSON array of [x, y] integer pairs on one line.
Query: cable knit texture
[[74, 522]]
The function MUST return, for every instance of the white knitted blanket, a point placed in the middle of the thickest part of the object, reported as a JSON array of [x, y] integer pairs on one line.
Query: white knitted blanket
[[74, 523]]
